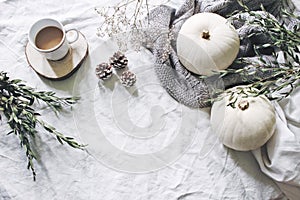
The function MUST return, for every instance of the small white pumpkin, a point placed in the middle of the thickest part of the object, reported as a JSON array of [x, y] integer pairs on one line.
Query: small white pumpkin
[[248, 124], [207, 42]]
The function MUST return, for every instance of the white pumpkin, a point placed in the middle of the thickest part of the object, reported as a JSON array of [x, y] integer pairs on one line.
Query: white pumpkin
[[207, 42], [248, 124]]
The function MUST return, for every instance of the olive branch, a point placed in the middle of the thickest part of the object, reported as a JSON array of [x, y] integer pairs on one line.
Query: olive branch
[[281, 77], [16, 101]]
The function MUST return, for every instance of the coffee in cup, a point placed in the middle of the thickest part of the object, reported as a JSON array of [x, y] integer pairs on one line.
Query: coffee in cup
[[48, 36]]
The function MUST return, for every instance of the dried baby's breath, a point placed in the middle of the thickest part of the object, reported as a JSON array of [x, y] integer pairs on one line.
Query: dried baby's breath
[[127, 22]]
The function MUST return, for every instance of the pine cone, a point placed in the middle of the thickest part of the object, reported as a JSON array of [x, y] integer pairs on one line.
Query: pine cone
[[104, 71], [119, 60], [128, 78]]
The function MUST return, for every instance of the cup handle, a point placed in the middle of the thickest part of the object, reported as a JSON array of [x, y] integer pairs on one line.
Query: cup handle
[[72, 35]]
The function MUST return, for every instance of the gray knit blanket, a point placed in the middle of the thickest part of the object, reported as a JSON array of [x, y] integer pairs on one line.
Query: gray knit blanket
[[186, 87]]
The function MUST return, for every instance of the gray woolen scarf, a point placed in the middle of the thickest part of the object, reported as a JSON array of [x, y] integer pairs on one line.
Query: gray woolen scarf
[[186, 87]]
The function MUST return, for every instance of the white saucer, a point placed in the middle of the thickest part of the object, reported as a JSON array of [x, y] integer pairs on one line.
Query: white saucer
[[61, 69]]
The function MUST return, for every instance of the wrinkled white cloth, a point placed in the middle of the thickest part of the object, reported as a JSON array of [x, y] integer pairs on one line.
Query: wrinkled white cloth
[[206, 169], [279, 158]]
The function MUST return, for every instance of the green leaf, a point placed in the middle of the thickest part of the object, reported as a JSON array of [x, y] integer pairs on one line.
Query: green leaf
[[15, 81], [267, 45], [4, 99], [48, 129], [10, 132], [60, 141]]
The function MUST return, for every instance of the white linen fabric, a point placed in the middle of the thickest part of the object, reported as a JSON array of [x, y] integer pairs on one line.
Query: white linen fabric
[[205, 170]]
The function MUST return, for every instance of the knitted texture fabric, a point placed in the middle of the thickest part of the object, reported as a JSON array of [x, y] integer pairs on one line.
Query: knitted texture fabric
[[186, 87]]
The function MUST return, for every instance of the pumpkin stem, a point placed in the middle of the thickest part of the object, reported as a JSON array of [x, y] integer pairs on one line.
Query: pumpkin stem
[[243, 105], [205, 34]]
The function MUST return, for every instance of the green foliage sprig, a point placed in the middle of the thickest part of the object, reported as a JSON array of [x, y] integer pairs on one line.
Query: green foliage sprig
[[16, 104], [280, 78]]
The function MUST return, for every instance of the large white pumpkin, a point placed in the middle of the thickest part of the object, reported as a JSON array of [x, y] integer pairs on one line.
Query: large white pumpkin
[[247, 125], [207, 42]]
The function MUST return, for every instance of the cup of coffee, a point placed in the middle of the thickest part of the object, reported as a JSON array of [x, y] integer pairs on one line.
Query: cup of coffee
[[49, 37]]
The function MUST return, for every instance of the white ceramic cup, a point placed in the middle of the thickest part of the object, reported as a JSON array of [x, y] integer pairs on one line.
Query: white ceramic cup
[[59, 51]]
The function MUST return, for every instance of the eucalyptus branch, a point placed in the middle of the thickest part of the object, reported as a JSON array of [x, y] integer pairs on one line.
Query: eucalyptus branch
[[60, 137], [280, 78], [16, 101]]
